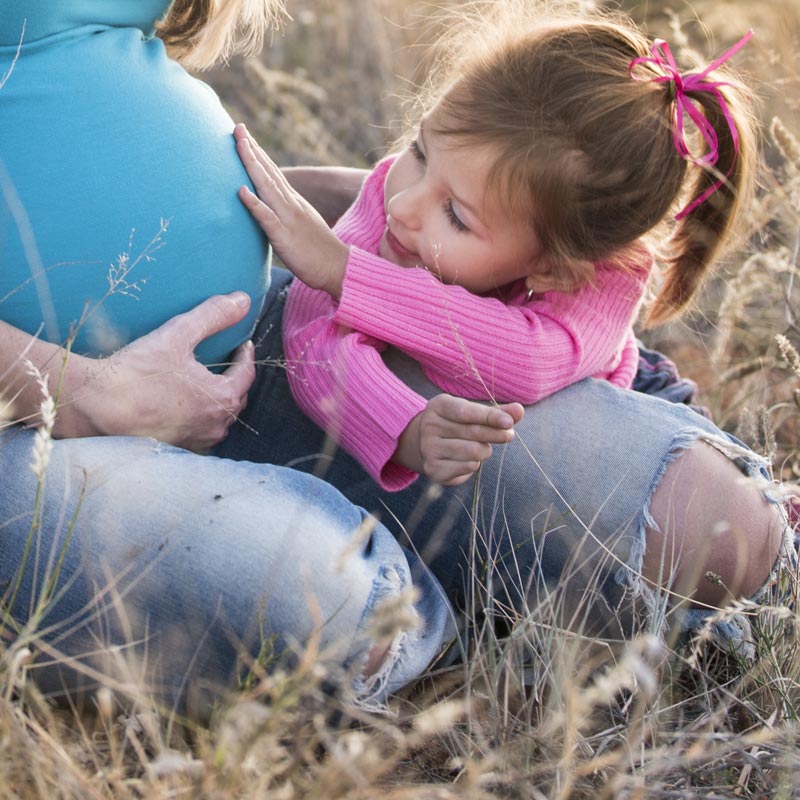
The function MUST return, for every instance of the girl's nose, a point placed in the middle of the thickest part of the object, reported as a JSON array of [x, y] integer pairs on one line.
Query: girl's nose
[[405, 207]]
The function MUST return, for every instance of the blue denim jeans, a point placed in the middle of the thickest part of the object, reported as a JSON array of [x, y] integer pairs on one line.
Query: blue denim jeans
[[556, 520], [153, 569]]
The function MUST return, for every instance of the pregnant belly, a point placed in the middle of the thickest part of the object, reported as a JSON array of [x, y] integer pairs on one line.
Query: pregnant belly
[[118, 207]]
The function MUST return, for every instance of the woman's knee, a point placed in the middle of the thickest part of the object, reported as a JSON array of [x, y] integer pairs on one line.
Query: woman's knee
[[717, 536]]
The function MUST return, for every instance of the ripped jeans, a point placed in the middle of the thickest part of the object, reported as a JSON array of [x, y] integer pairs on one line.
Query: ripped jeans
[[556, 518]]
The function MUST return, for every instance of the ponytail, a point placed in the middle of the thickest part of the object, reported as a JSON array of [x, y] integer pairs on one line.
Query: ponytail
[[705, 231], [721, 180]]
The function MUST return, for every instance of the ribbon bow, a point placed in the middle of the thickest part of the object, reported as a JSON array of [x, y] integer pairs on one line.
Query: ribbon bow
[[662, 59]]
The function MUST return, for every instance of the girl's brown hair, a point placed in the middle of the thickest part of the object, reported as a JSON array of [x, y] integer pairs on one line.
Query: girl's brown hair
[[199, 33], [586, 150]]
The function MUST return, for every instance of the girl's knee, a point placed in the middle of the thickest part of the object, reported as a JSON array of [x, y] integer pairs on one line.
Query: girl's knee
[[717, 536]]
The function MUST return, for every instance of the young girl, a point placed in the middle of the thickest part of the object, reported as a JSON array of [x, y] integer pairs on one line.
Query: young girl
[[502, 249]]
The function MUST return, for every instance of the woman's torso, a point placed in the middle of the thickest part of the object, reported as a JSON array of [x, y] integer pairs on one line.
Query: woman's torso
[[102, 138]]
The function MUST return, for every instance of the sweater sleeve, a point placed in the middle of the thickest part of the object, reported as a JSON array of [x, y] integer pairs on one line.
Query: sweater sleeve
[[483, 348], [628, 365], [338, 379]]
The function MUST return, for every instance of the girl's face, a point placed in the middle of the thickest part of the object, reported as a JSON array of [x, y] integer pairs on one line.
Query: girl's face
[[439, 216]]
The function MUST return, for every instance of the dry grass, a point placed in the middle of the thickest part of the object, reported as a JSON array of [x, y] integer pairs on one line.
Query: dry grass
[[533, 715]]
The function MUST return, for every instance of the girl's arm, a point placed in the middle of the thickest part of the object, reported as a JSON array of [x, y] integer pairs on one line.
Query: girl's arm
[[152, 387], [338, 379], [484, 348]]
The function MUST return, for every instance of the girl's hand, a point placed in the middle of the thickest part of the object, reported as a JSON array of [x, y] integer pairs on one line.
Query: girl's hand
[[331, 190], [450, 439], [299, 235], [156, 387]]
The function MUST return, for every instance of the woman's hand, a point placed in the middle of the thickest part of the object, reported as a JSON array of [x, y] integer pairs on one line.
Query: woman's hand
[[156, 387], [299, 235], [450, 439]]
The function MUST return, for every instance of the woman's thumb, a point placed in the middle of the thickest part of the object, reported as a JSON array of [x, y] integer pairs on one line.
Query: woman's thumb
[[214, 315]]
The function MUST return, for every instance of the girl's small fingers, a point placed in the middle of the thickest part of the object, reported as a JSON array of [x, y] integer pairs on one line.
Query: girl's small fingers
[[256, 152], [515, 410], [458, 450], [262, 158], [462, 475], [468, 412], [246, 151], [263, 173], [263, 214], [475, 433], [498, 417]]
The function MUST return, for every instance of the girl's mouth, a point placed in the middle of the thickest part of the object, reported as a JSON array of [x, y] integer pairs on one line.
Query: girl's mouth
[[397, 248]]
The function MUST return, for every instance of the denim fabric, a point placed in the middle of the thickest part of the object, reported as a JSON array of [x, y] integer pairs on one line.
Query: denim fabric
[[659, 377], [179, 568], [565, 505]]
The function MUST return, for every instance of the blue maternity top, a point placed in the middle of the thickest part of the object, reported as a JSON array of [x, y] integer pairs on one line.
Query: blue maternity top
[[118, 179]]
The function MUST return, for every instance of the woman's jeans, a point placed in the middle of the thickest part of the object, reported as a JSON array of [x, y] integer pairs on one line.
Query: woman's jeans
[[169, 575]]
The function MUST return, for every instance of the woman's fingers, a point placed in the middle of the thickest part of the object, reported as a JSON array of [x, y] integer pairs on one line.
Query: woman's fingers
[[157, 387], [242, 372]]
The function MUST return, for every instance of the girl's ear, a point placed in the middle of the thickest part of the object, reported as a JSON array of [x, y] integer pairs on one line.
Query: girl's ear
[[564, 278], [540, 276], [540, 282]]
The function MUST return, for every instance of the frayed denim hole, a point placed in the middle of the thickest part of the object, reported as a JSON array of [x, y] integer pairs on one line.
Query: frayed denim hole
[[733, 635]]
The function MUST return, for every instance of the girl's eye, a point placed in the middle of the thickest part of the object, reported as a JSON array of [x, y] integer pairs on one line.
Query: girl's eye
[[455, 221], [416, 152]]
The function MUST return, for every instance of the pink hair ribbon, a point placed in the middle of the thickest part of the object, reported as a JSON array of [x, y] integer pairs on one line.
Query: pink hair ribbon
[[662, 59]]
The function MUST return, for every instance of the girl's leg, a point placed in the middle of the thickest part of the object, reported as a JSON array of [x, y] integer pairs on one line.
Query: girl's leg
[[151, 568]]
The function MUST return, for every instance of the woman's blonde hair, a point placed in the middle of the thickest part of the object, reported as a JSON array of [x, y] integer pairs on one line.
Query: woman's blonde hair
[[586, 151], [199, 33]]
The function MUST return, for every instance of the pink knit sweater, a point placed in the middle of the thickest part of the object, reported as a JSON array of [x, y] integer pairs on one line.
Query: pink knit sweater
[[504, 347]]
